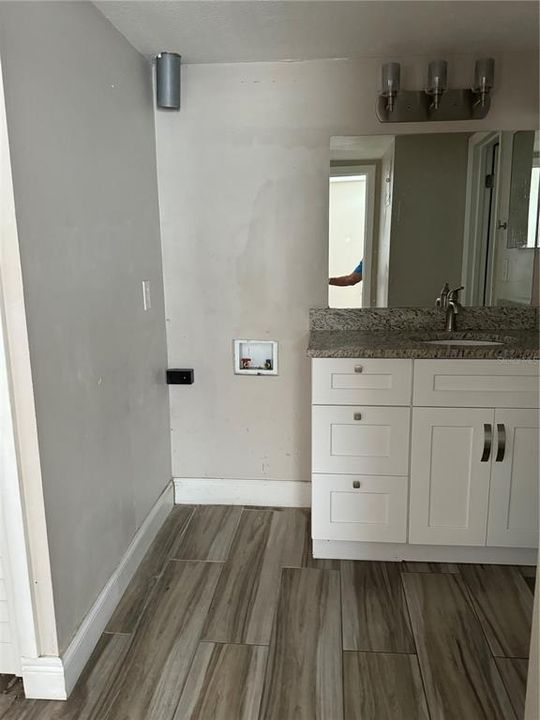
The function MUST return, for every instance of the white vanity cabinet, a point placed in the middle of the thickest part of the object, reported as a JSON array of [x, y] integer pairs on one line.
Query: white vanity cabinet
[[430, 454]]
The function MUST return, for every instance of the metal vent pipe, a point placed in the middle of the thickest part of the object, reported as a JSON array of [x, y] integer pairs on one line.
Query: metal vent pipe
[[168, 80]]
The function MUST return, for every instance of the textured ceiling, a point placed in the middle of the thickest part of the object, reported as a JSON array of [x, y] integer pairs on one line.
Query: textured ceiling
[[204, 31]]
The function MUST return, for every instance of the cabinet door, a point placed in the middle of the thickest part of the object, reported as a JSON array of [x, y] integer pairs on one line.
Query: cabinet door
[[513, 503], [360, 440], [450, 475]]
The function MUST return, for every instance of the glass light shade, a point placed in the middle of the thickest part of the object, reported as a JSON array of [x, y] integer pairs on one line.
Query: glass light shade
[[437, 77], [484, 73], [390, 79]]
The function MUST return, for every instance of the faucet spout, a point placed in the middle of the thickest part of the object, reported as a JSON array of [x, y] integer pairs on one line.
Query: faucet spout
[[451, 314], [453, 307]]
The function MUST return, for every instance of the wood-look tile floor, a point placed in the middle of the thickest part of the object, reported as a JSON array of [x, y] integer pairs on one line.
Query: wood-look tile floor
[[229, 617]]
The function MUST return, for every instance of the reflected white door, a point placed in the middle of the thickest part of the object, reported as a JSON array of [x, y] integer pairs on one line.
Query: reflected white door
[[350, 232]]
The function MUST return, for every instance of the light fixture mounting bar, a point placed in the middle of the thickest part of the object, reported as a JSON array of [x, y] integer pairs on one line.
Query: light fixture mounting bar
[[417, 106]]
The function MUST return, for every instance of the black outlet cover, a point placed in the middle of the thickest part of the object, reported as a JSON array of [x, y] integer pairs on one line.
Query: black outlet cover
[[180, 376]]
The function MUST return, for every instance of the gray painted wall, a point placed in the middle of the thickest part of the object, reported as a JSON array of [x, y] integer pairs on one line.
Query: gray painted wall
[[428, 216], [80, 119], [243, 179]]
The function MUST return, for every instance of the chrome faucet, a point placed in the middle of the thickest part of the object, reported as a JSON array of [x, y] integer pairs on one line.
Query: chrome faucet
[[453, 307]]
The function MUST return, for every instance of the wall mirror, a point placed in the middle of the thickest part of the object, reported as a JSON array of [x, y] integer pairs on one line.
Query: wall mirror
[[408, 213]]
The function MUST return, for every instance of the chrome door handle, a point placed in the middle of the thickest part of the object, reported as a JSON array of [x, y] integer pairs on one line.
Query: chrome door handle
[[501, 442], [488, 437]]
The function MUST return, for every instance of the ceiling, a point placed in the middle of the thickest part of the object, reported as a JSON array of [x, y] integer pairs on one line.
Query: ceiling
[[204, 31]]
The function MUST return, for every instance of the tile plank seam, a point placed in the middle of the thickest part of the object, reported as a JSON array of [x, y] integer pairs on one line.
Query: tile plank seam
[[341, 630], [198, 643], [473, 604], [155, 577], [199, 639], [267, 660], [388, 652], [179, 553], [155, 587], [134, 638], [409, 616], [464, 591], [194, 652]]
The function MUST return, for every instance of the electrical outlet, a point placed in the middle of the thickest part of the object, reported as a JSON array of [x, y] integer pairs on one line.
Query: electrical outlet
[[147, 299]]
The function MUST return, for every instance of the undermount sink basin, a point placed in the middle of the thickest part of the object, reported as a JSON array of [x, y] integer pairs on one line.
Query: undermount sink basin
[[458, 341]]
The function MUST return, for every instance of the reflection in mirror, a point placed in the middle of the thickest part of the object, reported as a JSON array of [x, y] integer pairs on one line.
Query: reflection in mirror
[[409, 213], [523, 211]]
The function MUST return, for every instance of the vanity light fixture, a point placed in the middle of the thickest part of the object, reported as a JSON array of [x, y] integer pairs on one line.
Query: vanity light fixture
[[390, 83], [436, 101], [436, 85], [484, 72]]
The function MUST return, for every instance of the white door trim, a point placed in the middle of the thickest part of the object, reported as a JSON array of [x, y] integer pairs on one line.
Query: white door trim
[[474, 207], [23, 495], [16, 581]]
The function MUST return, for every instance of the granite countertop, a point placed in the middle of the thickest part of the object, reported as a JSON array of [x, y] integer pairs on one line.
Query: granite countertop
[[402, 333], [403, 344]]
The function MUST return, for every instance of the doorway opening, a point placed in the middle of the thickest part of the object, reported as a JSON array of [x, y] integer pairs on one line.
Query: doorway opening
[[351, 208]]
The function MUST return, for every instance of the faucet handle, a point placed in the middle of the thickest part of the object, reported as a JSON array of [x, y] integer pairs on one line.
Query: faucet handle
[[453, 295], [442, 300]]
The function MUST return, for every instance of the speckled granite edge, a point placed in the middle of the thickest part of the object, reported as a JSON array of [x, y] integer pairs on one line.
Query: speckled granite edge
[[516, 345], [412, 319]]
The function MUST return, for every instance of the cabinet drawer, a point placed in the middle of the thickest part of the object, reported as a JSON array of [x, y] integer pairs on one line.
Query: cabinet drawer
[[476, 383], [350, 381], [359, 507], [359, 439]]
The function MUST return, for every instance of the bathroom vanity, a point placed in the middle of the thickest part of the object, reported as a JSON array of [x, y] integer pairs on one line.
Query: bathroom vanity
[[425, 445]]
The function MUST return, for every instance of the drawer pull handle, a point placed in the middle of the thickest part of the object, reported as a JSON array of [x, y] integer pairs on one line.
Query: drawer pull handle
[[488, 434], [358, 369], [356, 484], [501, 442], [357, 416]]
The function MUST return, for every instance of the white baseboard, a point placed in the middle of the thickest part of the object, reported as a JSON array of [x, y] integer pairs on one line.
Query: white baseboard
[[43, 678], [222, 491], [347, 550], [52, 678]]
